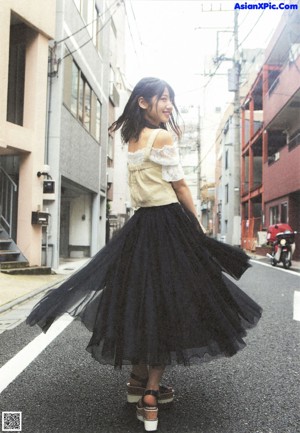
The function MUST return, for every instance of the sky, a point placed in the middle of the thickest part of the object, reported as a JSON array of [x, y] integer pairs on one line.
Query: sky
[[176, 40]]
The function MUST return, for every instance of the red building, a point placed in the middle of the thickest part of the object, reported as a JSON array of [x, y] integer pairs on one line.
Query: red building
[[270, 169]]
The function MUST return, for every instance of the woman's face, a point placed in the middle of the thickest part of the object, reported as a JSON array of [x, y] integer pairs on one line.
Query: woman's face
[[159, 110]]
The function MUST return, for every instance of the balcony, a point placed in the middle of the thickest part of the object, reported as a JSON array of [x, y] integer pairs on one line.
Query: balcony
[[292, 144], [283, 96]]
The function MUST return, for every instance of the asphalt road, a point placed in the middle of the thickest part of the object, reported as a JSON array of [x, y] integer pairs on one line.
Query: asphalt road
[[257, 391]]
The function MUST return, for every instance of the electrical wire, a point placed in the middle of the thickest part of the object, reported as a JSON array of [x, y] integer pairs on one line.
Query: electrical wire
[[130, 31], [91, 38], [88, 24], [251, 30], [137, 27]]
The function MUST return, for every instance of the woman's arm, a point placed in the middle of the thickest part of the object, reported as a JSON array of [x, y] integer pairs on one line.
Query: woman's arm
[[184, 195]]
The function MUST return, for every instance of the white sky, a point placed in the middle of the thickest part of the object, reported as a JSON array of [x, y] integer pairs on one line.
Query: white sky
[[166, 44]]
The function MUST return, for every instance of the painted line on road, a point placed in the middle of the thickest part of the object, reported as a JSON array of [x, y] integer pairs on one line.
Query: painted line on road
[[275, 267], [22, 359], [296, 315]]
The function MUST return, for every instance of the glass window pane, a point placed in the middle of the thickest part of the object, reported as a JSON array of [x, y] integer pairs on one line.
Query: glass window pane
[[75, 79], [87, 106], [98, 120], [80, 99]]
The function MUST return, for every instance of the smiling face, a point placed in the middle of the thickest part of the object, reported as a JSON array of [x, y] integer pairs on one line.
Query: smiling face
[[159, 109]]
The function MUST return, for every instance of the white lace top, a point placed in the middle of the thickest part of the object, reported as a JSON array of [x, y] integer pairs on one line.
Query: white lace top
[[167, 157]]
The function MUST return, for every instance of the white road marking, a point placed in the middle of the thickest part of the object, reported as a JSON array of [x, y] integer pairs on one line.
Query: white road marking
[[22, 359], [278, 268], [296, 315]]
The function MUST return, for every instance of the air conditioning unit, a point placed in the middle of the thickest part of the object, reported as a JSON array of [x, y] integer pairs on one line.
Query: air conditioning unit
[[110, 174]]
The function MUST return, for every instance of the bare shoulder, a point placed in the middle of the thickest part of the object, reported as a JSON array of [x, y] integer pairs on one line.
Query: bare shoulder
[[163, 138]]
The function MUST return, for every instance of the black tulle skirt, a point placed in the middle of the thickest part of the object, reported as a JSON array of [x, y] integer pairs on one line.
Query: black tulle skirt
[[157, 294]]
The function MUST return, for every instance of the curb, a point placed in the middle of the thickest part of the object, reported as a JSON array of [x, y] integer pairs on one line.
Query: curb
[[11, 304]]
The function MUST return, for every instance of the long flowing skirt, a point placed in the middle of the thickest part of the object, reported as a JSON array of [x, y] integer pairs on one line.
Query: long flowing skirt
[[157, 294]]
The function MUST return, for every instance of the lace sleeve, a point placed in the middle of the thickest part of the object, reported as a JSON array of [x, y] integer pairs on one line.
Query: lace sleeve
[[172, 173], [168, 157]]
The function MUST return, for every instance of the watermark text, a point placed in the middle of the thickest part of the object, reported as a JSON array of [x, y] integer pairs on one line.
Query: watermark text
[[266, 5]]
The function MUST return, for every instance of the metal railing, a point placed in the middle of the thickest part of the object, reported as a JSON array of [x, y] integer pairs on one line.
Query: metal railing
[[294, 142], [7, 190]]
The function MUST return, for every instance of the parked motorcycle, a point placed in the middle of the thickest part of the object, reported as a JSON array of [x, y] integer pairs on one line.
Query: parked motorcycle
[[282, 238]]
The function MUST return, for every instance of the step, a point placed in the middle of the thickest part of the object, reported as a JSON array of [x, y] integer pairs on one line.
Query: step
[[28, 270], [13, 264], [9, 253]]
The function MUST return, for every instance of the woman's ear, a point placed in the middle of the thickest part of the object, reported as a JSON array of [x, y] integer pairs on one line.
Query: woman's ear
[[142, 103]]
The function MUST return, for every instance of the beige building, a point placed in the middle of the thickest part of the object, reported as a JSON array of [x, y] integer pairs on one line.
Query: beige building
[[25, 30]]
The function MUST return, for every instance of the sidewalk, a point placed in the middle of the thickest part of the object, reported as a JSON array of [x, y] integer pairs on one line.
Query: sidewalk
[[15, 289]]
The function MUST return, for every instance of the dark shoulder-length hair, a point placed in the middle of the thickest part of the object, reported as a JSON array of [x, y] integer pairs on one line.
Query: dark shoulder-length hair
[[132, 119]]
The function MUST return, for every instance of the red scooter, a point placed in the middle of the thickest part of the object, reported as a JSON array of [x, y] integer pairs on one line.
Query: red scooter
[[282, 238]]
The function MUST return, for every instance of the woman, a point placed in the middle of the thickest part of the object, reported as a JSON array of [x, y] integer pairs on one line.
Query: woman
[[156, 295]]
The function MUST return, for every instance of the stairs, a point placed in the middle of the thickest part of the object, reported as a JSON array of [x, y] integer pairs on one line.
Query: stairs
[[13, 262], [10, 254]]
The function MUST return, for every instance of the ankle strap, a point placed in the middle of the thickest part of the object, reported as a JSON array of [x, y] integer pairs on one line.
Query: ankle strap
[[151, 392]]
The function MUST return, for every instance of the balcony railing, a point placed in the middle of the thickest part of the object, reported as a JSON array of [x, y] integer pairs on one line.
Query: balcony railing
[[7, 191], [294, 142]]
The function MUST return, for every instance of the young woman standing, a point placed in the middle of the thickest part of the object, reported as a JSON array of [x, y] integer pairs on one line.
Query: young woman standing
[[157, 293]]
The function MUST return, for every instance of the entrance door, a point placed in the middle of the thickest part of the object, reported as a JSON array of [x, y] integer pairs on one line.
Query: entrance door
[[64, 228]]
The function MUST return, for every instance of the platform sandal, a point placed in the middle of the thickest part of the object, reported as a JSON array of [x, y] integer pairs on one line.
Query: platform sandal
[[146, 413], [135, 392]]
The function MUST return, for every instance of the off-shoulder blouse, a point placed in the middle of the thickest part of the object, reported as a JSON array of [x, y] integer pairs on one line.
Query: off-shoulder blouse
[[167, 157]]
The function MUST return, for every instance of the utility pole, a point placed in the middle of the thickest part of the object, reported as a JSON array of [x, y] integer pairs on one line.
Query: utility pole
[[199, 163], [236, 136]]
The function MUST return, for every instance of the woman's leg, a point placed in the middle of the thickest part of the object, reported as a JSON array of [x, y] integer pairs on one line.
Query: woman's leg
[[154, 379], [141, 371]]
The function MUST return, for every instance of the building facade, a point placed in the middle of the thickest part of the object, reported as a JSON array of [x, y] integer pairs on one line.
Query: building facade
[[270, 138], [74, 174], [227, 225], [25, 31], [82, 99]]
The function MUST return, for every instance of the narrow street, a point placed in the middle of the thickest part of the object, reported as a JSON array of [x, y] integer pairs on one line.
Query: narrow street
[[64, 390]]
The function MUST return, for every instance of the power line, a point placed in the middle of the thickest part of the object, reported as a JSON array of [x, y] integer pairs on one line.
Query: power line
[[129, 28], [91, 38], [251, 30], [137, 27], [88, 24]]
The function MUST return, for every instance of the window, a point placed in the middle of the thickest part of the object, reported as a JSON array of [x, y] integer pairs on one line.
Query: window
[[226, 159], [111, 81], [110, 149], [16, 74], [67, 91], [274, 215], [80, 99], [98, 120], [75, 82], [87, 106], [226, 193], [284, 213]]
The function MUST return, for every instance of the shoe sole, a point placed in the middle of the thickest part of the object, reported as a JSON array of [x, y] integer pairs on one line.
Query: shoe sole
[[148, 425], [134, 398]]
